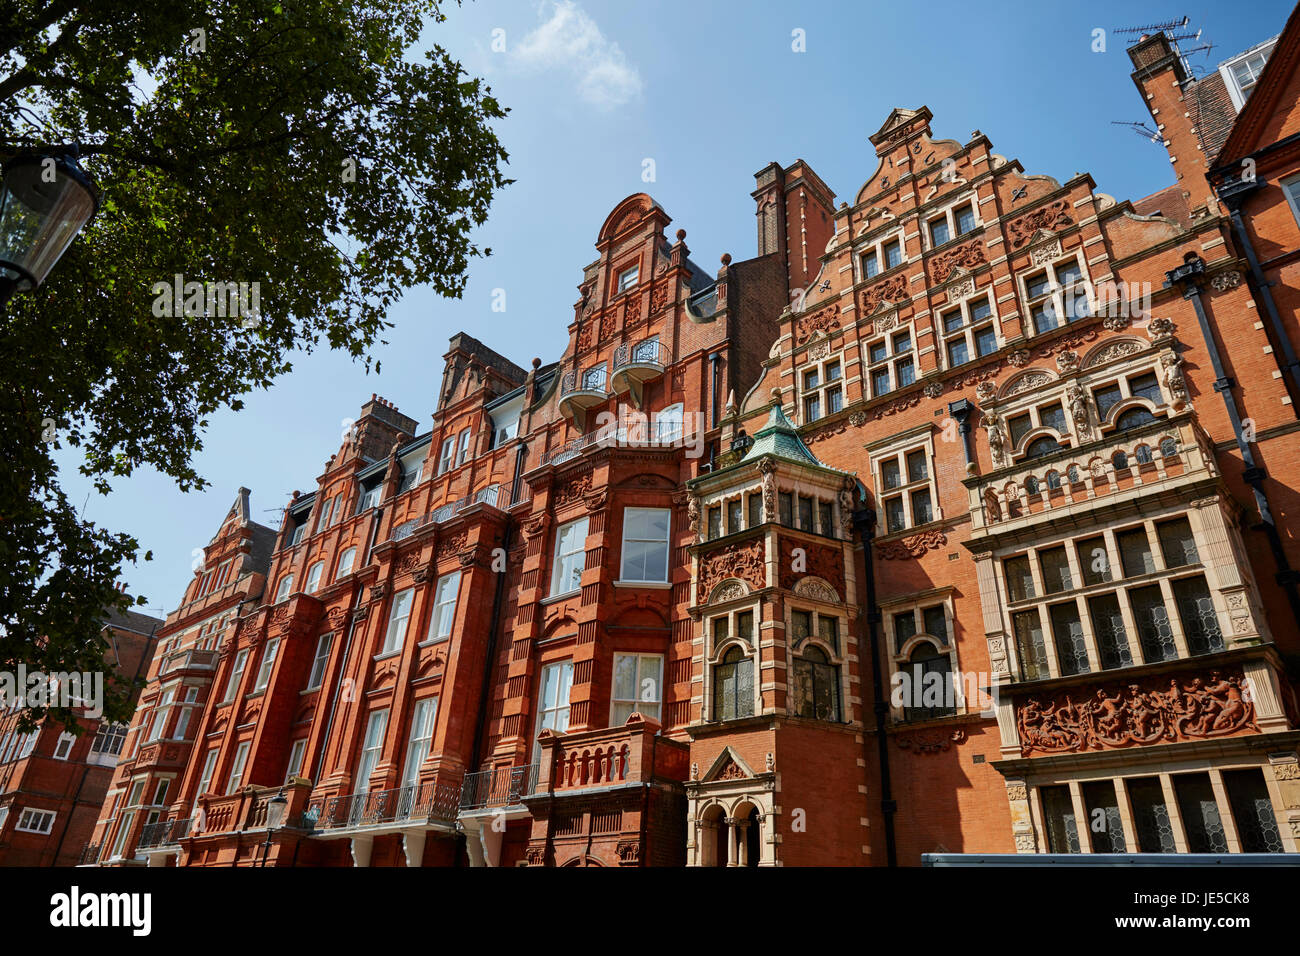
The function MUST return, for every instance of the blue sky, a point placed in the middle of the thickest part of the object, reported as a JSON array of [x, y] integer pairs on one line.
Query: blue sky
[[711, 92]]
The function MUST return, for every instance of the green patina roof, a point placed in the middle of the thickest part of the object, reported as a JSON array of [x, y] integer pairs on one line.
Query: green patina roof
[[781, 439]]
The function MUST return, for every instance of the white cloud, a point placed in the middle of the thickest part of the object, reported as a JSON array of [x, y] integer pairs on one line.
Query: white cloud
[[572, 41]]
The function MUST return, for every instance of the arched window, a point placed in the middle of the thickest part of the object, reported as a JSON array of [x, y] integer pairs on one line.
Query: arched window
[[1168, 448], [1134, 418], [1119, 460], [1073, 474], [313, 576], [1031, 485], [1143, 454], [668, 425], [1053, 479], [1042, 446], [816, 685], [286, 586], [733, 686], [930, 690]]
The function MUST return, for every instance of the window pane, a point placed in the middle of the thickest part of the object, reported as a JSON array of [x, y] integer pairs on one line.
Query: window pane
[[785, 505], [1109, 631], [755, 510], [916, 470], [939, 233], [893, 254], [879, 352], [965, 219], [1135, 552], [1053, 416], [805, 513], [894, 516], [1030, 648], [1018, 428], [1106, 399], [1055, 567], [715, 522], [870, 264], [1155, 634], [1094, 561], [1105, 827], [904, 629], [958, 353], [834, 400], [1176, 543], [986, 340], [1038, 285], [1252, 811], [1067, 633], [825, 522], [952, 321], [1145, 386], [936, 624], [890, 474], [1155, 831], [734, 523], [1020, 583], [1044, 317], [1200, 813], [921, 510], [880, 381], [905, 372], [1058, 820], [1196, 612]]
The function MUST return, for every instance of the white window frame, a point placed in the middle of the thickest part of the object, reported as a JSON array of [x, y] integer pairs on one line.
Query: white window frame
[[420, 739], [351, 555], [314, 574], [399, 618], [1228, 71], [442, 616], [447, 455], [898, 451], [665, 542], [462, 448], [209, 768], [372, 748], [297, 754], [876, 249], [63, 746], [628, 278], [1291, 190], [268, 664], [564, 563], [823, 388], [1056, 293], [236, 675], [551, 715], [320, 661], [236, 776], [891, 360], [35, 820], [670, 424], [966, 331], [284, 589], [638, 704]]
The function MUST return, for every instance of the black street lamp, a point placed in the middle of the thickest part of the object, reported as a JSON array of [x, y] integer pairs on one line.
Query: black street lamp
[[275, 808], [45, 200]]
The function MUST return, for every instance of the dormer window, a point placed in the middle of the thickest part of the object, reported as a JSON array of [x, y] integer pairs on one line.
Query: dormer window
[[628, 278]]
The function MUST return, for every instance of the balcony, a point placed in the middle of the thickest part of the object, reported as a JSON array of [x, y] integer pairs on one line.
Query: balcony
[[500, 496], [1155, 458], [629, 433], [428, 804], [580, 391], [497, 788], [189, 660], [636, 364], [592, 760], [163, 833]]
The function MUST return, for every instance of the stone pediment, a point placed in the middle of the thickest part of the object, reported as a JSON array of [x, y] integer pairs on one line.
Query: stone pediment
[[729, 765]]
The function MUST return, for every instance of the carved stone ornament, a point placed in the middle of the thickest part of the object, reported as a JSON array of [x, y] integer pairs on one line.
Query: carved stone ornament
[[573, 489], [933, 389], [1172, 372], [857, 419], [1226, 280], [742, 561], [885, 323], [1115, 350], [768, 469], [1046, 252], [1076, 397], [966, 256], [1160, 328], [985, 392], [693, 517], [1017, 791], [1115, 323], [1138, 714], [913, 546], [961, 288], [893, 289], [1067, 361], [992, 425], [1019, 358], [1026, 382], [727, 591], [1053, 216], [824, 321], [819, 350], [930, 743]]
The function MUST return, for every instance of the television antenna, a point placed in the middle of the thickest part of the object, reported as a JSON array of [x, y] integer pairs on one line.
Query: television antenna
[[1141, 129]]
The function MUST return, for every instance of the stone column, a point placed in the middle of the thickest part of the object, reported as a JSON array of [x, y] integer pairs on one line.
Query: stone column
[[729, 824]]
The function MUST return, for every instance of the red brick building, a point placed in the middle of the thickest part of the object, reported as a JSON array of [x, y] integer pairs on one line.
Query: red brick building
[[52, 781], [958, 519]]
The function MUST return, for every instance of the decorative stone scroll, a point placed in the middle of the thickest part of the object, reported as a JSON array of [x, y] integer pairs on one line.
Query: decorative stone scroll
[[1053, 216], [912, 546], [892, 289], [1138, 714], [823, 321], [745, 562], [966, 256]]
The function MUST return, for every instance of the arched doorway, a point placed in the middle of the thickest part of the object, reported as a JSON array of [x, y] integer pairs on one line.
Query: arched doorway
[[712, 837], [747, 832]]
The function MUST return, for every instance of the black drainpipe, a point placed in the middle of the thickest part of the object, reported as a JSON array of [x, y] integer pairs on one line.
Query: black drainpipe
[[864, 520], [1188, 276], [1232, 193], [714, 364]]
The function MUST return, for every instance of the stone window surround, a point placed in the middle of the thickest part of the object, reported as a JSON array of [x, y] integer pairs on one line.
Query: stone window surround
[[963, 298], [752, 649], [1055, 291], [947, 212], [876, 244], [838, 659], [1090, 380], [890, 360], [786, 482], [896, 447], [824, 387], [1165, 770], [1212, 530], [913, 604]]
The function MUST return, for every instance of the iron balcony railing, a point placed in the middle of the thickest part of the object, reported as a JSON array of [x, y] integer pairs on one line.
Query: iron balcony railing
[[592, 380], [163, 833], [645, 352], [501, 787], [90, 854], [500, 495], [418, 804], [627, 434]]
